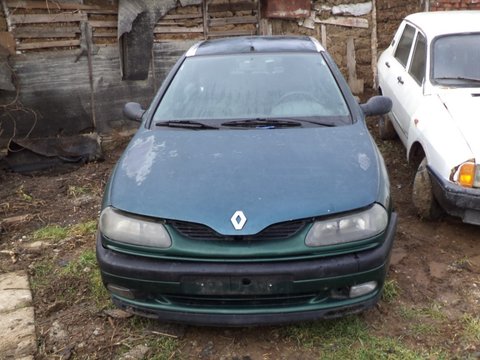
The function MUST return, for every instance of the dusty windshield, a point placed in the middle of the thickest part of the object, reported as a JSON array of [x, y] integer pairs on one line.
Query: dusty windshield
[[253, 86], [456, 60]]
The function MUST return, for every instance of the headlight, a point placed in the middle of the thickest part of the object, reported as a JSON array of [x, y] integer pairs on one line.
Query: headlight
[[469, 175], [133, 229], [348, 228]]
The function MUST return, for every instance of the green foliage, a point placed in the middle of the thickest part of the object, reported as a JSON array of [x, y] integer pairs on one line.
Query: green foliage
[[86, 265], [76, 191], [56, 233], [84, 229], [53, 233], [163, 348], [350, 338], [471, 328], [42, 271], [24, 195], [391, 290]]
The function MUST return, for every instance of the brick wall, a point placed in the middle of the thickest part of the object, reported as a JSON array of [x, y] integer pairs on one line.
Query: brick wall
[[390, 14], [437, 5], [3, 23]]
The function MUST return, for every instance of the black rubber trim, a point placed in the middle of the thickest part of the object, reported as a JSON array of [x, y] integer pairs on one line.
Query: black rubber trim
[[245, 319], [453, 198]]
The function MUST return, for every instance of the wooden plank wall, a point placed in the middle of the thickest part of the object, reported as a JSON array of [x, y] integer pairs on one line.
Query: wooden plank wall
[[57, 89], [55, 25], [42, 25], [63, 90]]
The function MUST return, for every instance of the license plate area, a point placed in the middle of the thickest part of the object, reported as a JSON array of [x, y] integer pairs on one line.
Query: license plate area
[[236, 285]]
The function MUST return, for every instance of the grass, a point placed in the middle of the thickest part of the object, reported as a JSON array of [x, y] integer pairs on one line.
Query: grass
[[53, 233], [471, 328], [23, 195], [391, 290], [42, 273], [76, 191], [350, 338], [48, 271], [84, 229], [86, 265], [56, 233], [433, 311], [161, 347]]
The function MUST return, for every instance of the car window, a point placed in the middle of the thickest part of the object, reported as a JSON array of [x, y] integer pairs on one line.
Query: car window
[[404, 45], [261, 85], [419, 59], [456, 60]]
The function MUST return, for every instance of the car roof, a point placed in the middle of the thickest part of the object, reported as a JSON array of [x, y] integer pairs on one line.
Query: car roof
[[438, 23], [249, 44]]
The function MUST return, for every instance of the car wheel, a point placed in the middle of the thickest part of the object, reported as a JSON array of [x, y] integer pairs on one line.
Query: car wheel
[[386, 131], [423, 199]]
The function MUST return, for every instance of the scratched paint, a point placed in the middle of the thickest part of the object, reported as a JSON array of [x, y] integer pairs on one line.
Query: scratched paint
[[140, 158], [364, 161]]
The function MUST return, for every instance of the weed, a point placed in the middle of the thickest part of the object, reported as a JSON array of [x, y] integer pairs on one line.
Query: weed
[[334, 332], [350, 338], [434, 311], [471, 328], [85, 262], [86, 265], [162, 348], [460, 265], [23, 195], [390, 290], [57, 233], [84, 229], [41, 273], [53, 233], [76, 191]]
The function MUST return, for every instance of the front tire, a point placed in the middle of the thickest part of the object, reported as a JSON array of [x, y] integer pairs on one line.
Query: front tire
[[423, 199]]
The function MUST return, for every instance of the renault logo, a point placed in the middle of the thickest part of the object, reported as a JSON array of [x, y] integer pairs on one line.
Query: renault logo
[[238, 220]]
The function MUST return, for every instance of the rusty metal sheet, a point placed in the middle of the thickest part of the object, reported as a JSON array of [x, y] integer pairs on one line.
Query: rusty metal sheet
[[287, 9]]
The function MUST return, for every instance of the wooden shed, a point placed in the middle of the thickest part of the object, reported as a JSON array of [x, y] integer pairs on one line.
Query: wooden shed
[[68, 66]]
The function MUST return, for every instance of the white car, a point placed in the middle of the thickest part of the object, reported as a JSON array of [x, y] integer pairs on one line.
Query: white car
[[431, 71]]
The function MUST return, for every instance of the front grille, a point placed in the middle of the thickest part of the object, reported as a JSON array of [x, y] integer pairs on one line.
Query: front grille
[[278, 231], [254, 301]]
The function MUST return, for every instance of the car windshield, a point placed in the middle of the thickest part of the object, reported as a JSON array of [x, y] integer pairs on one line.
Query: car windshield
[[456, 60], [253, 86]]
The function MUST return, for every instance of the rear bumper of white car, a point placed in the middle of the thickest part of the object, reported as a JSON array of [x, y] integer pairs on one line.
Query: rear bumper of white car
[[456, 200]]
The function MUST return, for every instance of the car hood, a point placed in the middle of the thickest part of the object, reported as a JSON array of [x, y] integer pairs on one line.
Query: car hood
[[272, 176], [463, 106]]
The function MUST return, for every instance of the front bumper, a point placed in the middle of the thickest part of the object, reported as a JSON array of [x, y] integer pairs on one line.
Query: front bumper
[[456, 200], [241, 294]]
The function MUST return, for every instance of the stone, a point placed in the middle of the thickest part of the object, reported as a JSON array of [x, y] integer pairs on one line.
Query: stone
[[137, 353]]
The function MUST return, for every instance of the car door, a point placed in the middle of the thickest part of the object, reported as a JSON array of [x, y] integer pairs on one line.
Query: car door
[[395, 70], [410, 83], [413, 83]]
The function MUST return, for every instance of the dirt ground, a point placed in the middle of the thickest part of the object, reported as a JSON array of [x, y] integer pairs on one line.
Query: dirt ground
[[435, 265]]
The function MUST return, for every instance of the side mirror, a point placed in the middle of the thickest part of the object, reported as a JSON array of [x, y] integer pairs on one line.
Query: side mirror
[[133, 111], [377, 105]]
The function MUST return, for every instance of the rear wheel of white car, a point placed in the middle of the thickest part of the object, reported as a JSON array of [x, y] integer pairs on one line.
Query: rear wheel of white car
[[422, 196], [386, 131]]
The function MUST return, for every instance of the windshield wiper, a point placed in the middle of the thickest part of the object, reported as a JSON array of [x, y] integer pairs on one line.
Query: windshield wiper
[[263, 123], [465, 78], [186, 124]]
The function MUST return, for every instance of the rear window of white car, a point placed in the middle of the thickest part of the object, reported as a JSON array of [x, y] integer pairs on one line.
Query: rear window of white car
[[404, 45]]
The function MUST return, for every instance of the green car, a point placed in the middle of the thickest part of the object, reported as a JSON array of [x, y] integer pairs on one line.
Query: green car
[[251, 194]]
